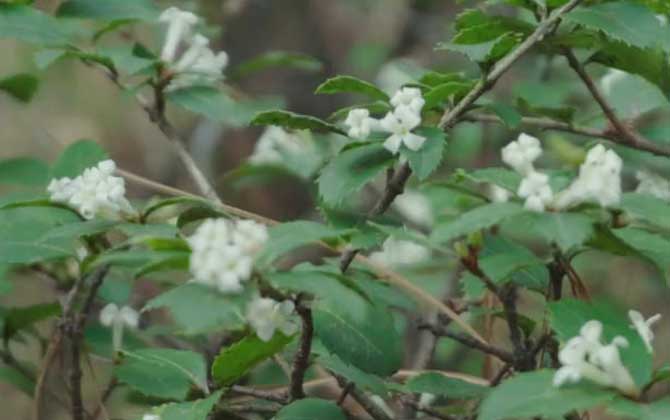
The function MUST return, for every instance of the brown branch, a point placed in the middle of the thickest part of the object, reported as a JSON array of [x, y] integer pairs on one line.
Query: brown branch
[[440, 331], [362, 399], [278, 397], [427, 410], [301, 360], [626, 135], [544, 123]]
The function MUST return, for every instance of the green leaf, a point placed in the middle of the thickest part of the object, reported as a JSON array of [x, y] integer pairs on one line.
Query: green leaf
[[17, 319], [469, 43], [24, 171], [77, 157], [28, 24], [174, 201], [652, 247], [477, 219], [192, 410], [507, 114], [198, 309], [349, 84], [77, 230], [235, 361], [565, 114], [503, 261], [126, 59], [647, 208], [624, 21], [658, 410], [140, 260], [109, 10], [375, 108], [219, 106], [428, 158], [289, 236], [21, 86], [163, 373], [444, 92], [9, 375], [567, 230], [349, 171], [310, 409], [569, 315], [441, 385], [362, 380], [293, 121], [274, 59], [532, 394], [501, 177]]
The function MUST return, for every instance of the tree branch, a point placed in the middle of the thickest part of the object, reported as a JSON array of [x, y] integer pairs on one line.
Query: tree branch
[[440, 331], [626, 135], [362, 399], [301, 360]]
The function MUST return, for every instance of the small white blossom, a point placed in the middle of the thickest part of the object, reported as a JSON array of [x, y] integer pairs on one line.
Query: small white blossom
[[118, 318], [599, 180], [359, 123], [266, 315], [275, 143], [408, 98], [521, 154], [536, 190], [610, 79], [223, 252], [653, 184], [497, 194], [151, 417], [398, 252], [415, 207], [180, 24], [399, 124], [96, 192], [643, 327], [585, 357]]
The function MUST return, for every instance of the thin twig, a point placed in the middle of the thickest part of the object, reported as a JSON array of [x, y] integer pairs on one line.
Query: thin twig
[[363, 400], [439, 331], [301, 360], [275, 396]]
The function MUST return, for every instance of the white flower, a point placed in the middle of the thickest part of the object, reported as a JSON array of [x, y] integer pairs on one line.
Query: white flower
[[497, 194], [400, 123], [117, 319], [599, 180], [276, 143], [609, 80], [180, 24], [96, 192], [643, 327], [359, 123], [250, 235], [536, 190], [267, 315], [397, 252], [585, 357], [653, 184], [409, 98], [223, 252], [198, 46], [521, 154], [151, 417], [415, 207]]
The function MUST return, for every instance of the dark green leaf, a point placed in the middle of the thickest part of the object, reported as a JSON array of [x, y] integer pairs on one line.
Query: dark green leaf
[[427, 159], [311, 409], [349, 171], [11, 376], [349, 84], [647, 208], [274, 59], [567, 230], [109, 10], [163, 373], [28, 24], [444, 92], [24, 171], [77, 157], [235, 361], [21, 86], [477, 219], [192, 410], [650, 246], [444, 386], [288, 236], [633, 410], [17, 319], [293, 121]]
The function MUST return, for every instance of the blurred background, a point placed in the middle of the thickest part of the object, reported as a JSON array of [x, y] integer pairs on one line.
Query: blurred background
[[388, 42]]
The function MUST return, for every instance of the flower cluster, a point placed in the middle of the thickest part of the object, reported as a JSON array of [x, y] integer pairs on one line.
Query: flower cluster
[[599, 178], [267, 315], [96, 192], [118, 318], [406, 116], [398, 252], [198, 63], [275, 143], [653, 184], [585, 356], [223, 252]]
